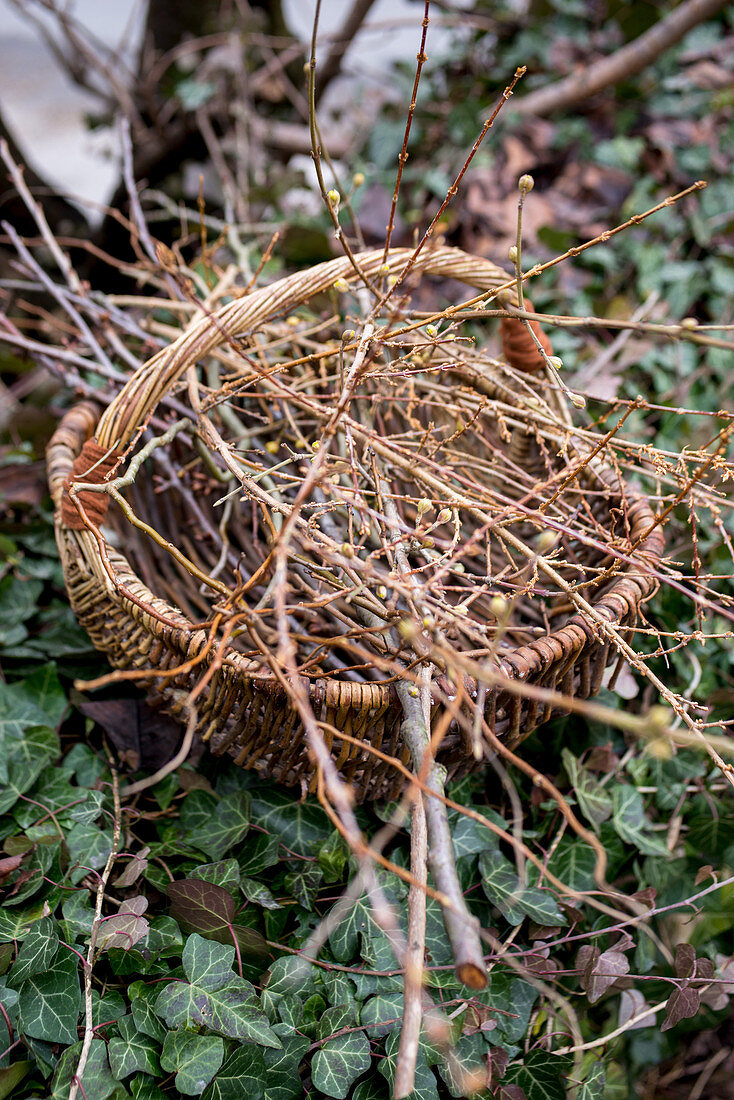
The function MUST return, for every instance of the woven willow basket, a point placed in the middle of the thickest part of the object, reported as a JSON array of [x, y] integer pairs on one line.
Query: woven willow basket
[[139, 611]]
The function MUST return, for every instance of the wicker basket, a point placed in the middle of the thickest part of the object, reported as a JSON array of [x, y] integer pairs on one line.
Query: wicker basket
[[245, 711]]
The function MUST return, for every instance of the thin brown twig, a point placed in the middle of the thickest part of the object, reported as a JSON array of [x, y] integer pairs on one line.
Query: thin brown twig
[[403, 154], [453, 189]]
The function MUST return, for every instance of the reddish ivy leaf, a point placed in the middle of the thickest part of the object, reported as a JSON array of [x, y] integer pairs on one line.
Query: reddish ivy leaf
[[497, 1062], [610, 966], [125, 928], [8, 865], [585, 960], [685, 960], [647, 896], [204, 907], [682, 1004], [200, 904], [511, 1092]]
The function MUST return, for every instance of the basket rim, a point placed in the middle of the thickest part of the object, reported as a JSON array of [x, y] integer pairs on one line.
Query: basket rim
[[155, 378], [629, 588]]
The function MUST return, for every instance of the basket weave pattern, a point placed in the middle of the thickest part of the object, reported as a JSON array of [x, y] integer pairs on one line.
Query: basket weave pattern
[[244, 710]]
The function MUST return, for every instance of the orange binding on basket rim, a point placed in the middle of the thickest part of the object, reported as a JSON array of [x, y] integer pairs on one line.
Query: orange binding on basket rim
[[518, 346], [93, 465]]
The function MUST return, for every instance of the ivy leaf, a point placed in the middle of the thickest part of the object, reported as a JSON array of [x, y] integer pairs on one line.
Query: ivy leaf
[[261, 1074], [44, 687], [685, 960], [11, 1077], [382, 1013], [214, 997], [605, 971], [339, 988], [25, 759], [339, 1063], [540, 1076], [470, 837], [225, 873], [224, 827], [9, 1001], [97, 1081], [131, 1051], [332, 857], [574, 863], [301, 826], [242, 1075], [143, 1087], [142, 998], [682, 1004], [505, 989], [78, 914], [592, 1087], [511, 1092], [304, 884], [49, 1003], [501, 886], [632, 1003], [594, 800], [18, 712], [373, 1090], [37, 953], [262, 851], [134, 869], [15, 925], [85, 765], [467, 1068], [164, 937], [336, 1018], [126, 928], [207, 964], [282, 1080], [193, 1058], [89, 847], [208, 909], [357, 922], [258, 893], [196, 809], [290, 974], [108, 1008], [18, 599], [631, 824], [233, 1011]]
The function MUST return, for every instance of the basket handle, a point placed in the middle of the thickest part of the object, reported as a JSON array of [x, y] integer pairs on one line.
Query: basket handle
[[151, 382]]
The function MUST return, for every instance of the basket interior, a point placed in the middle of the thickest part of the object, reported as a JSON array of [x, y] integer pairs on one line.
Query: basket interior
[[445, 478]]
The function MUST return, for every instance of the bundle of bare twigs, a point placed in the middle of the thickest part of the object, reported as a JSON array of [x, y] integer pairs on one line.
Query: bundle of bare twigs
[[340, 551], [345, 543], [341, 513]]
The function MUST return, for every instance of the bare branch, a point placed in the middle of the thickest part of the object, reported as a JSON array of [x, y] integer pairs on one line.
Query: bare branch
[[630, 60]]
